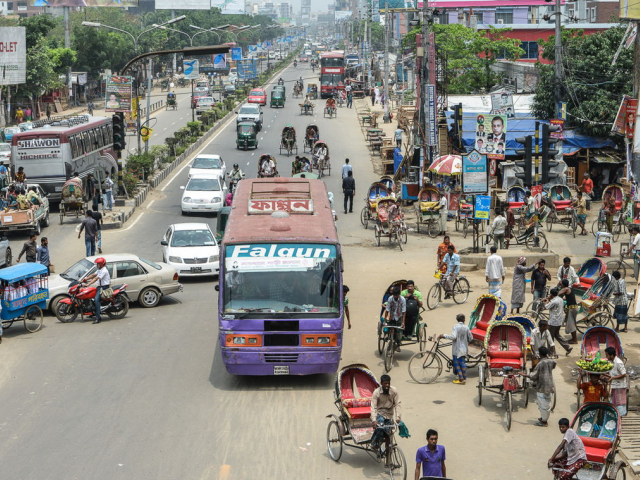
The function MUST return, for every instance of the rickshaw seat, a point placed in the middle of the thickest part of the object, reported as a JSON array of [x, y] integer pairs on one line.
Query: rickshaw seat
[[596, 449], [516, 204], [480, 330], [359, 412], [562, 205], [496, 362]]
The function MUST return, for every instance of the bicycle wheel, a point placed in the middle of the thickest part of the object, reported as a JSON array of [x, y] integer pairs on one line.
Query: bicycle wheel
[[397, 464], [33, 318], [334, 440], [381, 338], [377, 234], [363, 216], [422, 336], [432, 228], [508, 405], [618, 265], [574, 225], [480, 384], [461, 291], [536, 241], [388, 354], [550, 219], [425, 367], [598, 226], [433, 297]]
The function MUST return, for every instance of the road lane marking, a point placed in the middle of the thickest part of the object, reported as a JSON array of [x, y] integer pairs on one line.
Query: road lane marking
[[150, 203], [130, 226]]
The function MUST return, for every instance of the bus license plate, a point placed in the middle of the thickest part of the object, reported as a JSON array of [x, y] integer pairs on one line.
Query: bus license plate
[[281, 370], [196, 269]]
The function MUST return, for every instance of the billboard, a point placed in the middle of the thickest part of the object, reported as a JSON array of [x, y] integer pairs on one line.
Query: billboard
[[191, 69], [83, 3], [13, 55], [247, 69], [118, 94], [491, 135], [184, 5], [625, 122], [340, 14], [502, 104], [474, 173], [220, 61], [629, 9], [235, 7]]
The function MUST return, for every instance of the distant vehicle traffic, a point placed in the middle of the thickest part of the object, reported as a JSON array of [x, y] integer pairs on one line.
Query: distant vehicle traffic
[[5, 151], [208, 165], [203, 193], [257, 95], [191, 249], [9, 132], [250, 112], [204, 104]]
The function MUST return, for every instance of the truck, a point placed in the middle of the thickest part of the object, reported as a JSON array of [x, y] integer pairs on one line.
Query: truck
[[31, 220]]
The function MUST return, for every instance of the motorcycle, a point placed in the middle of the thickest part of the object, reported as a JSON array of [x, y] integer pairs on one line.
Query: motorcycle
[[233, 182], [81, 301], [295, 64]]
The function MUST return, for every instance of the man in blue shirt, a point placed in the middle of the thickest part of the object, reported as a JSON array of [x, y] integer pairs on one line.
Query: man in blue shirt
[[452, 261], [431, 457], [42, 254]]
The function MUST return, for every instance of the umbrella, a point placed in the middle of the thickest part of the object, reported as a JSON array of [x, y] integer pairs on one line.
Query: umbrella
[[447, 165]]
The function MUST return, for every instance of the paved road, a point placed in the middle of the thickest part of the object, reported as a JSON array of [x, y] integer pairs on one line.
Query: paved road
[[148, 396]]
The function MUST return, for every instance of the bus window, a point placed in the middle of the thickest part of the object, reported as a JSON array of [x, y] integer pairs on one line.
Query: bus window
[[76, 151], [99, 140], [106, 135], [86, 141], [110, 133]]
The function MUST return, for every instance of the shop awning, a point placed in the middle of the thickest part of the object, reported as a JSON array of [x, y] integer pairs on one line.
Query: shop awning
[[607, 158]]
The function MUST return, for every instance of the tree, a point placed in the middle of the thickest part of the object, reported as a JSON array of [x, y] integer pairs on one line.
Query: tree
[[592, 86], [41, 72]]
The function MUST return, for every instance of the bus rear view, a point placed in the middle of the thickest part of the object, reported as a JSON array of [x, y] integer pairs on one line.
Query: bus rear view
[[280, 304]]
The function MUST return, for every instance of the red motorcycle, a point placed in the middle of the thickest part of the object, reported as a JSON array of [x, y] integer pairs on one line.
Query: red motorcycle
[[82, 302]]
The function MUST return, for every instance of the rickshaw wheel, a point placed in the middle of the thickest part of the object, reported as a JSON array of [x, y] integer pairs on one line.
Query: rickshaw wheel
[[398, 464], [381, 338], [33, 318], [617, 265], [480, 384], [617, 471], [432, 229], [526, 393], [377, 235], [509, 405], [334, 441], [399, 239], [363, 217], [8, 258], [578, 400], [388, 354], [422, 336]]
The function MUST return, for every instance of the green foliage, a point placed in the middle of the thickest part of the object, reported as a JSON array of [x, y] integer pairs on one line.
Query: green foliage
[[141, 164], [592, 87], [195, 128], [171, 143], [62, 59], [41, 74], [409, 40], [37, 27], [130, 181], [159, 153]]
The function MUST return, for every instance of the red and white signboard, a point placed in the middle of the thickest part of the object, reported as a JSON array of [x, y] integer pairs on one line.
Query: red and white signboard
[[281, 205]]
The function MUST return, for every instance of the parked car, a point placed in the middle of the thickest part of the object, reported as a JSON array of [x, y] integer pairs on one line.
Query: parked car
[[257, 95], [6, 257], [148, 281], [250, 112], [195, 97], [191, 249], [9, 132], [203, 193], [229, 90], [204, 104], [5, 151], [208, 165]]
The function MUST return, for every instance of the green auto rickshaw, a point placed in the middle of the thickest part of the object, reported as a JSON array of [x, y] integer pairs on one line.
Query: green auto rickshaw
[[281, 87], [247, 135], [277, 98]]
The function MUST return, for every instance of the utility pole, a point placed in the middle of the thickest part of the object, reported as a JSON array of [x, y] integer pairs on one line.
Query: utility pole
[[558, 75], [149, 84], [424, 81], [175, 55], [387, 28], [67, 44]]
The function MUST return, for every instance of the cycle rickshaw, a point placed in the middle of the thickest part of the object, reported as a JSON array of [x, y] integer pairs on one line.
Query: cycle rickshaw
[[376, 192], [414, 331], [619, 219], [388, 181], [321, 161], [263, 167], [464, 216], [427, 210], [390, 222], [24, 289], [352, 427], [505, 345], [311, 136], [288, 140], [561, 210]]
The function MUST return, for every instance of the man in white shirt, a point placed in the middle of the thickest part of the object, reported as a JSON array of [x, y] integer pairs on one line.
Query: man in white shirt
[[460, 336], [494, 273], [634, 250], [107, 193], [568, 272], [498, 229], [346, 168], [531, 206], [541, 337], [444, 212]]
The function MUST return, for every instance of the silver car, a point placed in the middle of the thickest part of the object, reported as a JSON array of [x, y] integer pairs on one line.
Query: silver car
[[148, 281]]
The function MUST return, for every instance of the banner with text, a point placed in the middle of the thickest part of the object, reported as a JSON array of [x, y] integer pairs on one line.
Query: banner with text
[[502, 104], [118, 93], [13, 56], [474, 173], [84, 3], [491, 135]]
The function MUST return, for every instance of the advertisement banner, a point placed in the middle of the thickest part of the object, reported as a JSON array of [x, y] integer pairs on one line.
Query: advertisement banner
[[491, 135], [247, 69], [629, 9], [145, 133], [13, 55], [84, 3], [220, 61], [184, 5], [502, 104], [118, 92], [431, 115], [482, 208], [227, 7], [191, 69], [474, 173], [625, 122], [562, 110], [236, 53], [559, 134]]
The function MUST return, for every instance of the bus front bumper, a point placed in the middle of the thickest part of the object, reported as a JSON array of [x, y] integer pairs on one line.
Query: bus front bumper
[[243, 361]]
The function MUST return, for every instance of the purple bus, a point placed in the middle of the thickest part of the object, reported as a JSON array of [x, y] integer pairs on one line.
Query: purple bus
[[280, 305]]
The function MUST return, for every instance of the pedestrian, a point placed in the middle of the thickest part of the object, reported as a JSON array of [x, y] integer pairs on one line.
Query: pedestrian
[[20, 177], [97, 216], [431, 457], [345, 301], [571, 310], [103, 278], [398, 135], [91, 189], [443, 209], [531, 206], [376, 92], [395, 315], [349, 190], [518, 286], [609, 206], [349, 99], [580, 205], [587, 186], [90, 227], [90, 107], [373, 96], [555, 305], [494, 273], [541, 337], [570, 455], [566, 271], [618, 377], [634, 250], [42, 254], [19, 115], [542, 377], [498, 229], [620, 302], [385, 409], [3, 169], [108, 193], [539, 279], [461, 336], [414, 302], [346, 168], [48, 111], [30, 249]]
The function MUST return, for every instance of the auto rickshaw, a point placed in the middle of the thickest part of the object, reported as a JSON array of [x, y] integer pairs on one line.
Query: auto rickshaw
[[247, 135], [282, 88], [277, 98], [312, 91], [171, 101]]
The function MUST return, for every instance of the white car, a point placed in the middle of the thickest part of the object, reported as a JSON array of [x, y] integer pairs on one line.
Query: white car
[[208, 165], [191, 249], [203, 193], [5, 151]]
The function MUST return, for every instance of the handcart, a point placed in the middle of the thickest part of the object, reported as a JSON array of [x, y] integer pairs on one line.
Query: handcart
[[390, 222], [72, 203], [506, 361], [24, 290], [376, 192], [288, 140], [428, 210], [352, 426]]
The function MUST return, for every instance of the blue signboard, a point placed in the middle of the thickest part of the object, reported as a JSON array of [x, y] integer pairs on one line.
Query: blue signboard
[[474, 173], [431, 115], [562, 110], [220, 61], [236, 53], [483, 207], [247, 69]]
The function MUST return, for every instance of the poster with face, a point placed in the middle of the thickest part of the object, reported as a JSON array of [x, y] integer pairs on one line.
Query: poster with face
[[491, 135], [502, 104]]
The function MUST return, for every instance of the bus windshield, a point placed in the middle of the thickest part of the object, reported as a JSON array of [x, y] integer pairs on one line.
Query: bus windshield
[[268, 287], [331, 79], [332, 62]]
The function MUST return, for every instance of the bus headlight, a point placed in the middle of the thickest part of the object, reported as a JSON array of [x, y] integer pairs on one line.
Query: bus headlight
[[324, 340], [239, 340]]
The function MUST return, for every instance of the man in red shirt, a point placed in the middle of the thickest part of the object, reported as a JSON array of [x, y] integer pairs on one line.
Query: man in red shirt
[[587, 185]]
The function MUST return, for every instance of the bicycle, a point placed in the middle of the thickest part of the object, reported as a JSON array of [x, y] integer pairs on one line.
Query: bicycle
[[387, 343], [620, 224], [459, 292], [426, 366], [620, 265]]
